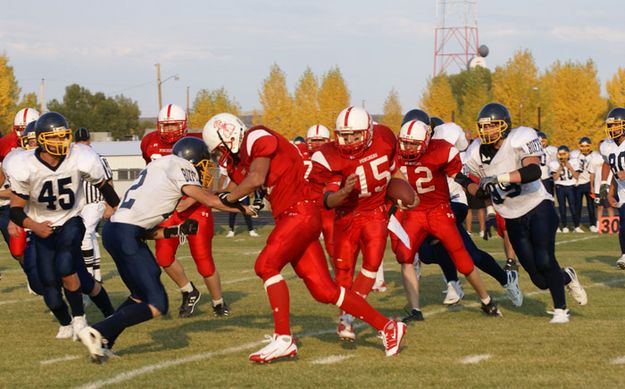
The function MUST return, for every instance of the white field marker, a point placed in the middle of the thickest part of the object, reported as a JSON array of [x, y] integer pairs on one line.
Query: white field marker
[[332, 359], [473, 359]]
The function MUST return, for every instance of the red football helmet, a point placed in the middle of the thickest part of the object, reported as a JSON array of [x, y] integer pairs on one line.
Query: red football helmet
[[171, 123], [414, 138], [354, 131]]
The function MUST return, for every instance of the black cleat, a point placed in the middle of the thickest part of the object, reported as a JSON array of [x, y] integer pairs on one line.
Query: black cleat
[[491, 309], [413, 315], [511, 264], [221, 310], [189, 300]]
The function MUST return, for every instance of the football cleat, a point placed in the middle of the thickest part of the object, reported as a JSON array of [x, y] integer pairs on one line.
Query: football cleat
[[579, 230], [345, 330], [512, 288], [254, 234], [511, 264], [413, 315], [230, 234], [491, 308], [189, 300], [392, 335], [78, 324], [280, 346], [221, 309], [620, 263], [381, 287], [92, 339], [454, 293], [65, 332], [594, 229], [576, 290], [564, 230], [560, 316]]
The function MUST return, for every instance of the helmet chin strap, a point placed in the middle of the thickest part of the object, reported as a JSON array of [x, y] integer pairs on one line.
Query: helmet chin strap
[[235, 156]]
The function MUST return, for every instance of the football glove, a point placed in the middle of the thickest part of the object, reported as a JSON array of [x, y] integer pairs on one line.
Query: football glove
[[491, 222], [188, 227]]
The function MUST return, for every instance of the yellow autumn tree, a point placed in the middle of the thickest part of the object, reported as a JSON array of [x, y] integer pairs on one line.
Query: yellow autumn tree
[[392, 111], [306, 104], [9, 94], [438, 99], [333, 97], [29, 100], [277, 103], [208, 103], [573, 106], [515, 85], [616, 89], [476, 94]]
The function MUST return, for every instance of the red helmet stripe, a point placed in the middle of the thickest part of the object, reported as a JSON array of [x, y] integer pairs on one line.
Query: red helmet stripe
[[25, 115], [168, 111], [317, 130], [347, 116], [412, 123]]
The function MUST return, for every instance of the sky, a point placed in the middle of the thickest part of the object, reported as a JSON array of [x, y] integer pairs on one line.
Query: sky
[[112, 46]]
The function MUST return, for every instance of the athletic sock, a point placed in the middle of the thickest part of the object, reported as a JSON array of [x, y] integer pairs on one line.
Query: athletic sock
[[103, 302], [62, 315], [363, 283], [131, 315], [75, 301], [279, 300], [188, 288], [217, 302], [360, 308]]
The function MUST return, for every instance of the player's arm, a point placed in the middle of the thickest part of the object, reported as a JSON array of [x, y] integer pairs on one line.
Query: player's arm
[[605, 185], [255, 178], [108, 192], [574, 172], [188, 227], [4, 193], [205, 197], [18, 216], [333, 199]]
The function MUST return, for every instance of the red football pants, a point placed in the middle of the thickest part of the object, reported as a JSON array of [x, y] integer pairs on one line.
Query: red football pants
[[200, 243], [327, 229], [441, 223], [17, 244]]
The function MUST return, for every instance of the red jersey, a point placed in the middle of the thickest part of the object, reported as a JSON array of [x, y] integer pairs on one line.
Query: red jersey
[[306, 157], [7, 143], [374, 168], [285, 183], [428, 175], [153, 147]]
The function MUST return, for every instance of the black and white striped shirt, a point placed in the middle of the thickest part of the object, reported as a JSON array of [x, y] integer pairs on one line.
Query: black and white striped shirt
[[92, 194]]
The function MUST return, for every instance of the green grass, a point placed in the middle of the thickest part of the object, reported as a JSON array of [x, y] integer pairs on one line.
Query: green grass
[[202, 351]]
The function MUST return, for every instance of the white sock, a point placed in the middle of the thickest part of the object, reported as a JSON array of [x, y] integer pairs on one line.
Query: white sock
[[486, 301], [187, 288], [217, 302]]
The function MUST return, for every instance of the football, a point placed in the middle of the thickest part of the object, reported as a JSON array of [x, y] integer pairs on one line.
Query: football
[[399, 189]]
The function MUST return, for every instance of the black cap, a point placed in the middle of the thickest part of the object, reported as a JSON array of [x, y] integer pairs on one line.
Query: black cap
[[81, 135]]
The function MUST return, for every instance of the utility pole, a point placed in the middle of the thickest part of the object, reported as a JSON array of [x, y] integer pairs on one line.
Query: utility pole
[[158, 85], [42, 90], [188, 102]]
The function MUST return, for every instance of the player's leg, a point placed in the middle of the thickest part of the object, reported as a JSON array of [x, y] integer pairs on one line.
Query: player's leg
[[346, 238], [620, 263], [571, 199], [373, 240], [232, 217], [327, 228], [35, 285], [88, 215]]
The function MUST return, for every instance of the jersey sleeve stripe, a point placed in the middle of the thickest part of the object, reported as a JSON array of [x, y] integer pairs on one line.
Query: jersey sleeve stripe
[[253, 137], [452, 153], [320, 159]]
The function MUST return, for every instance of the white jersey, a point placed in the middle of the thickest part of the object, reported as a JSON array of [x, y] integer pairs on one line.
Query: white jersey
[[513, 200], [6, 184], [595, 167], [454, 134], [582, 165], [565, 176], [156, 192], [550, 154], [614, 155], [54, 194]]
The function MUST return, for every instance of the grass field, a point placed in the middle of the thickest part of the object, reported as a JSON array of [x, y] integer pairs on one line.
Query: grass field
[[457, 347]]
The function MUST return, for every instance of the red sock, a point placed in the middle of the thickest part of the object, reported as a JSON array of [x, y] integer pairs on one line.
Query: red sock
[[358, 307], [278, 294], [363, 284]]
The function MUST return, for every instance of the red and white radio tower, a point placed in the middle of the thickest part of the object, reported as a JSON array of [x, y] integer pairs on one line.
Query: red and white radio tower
[[455, 37]]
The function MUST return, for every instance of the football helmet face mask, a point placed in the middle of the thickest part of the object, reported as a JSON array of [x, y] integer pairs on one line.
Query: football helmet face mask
[[563, 154], [316, 136], [22, 118], [585, 145], [223, 134], [53, 134], [353, 132], [29, 137], [493, 123], [414, 137], [171, 123], [196, 152], [615, 123]]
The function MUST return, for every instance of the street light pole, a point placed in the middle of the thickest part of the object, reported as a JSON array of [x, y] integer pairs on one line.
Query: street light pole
[[158, 86]]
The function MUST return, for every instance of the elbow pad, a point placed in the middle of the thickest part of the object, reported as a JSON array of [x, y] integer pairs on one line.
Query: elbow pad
[[109, 194], [530, 173], [17, 215], [462, 180]]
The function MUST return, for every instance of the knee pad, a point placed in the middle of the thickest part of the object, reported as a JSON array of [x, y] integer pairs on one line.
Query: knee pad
[[205, 265], [264, 271], [166, 251], [325, 295]]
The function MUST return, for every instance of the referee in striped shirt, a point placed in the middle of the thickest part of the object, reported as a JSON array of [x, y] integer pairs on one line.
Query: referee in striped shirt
[[92, 213]]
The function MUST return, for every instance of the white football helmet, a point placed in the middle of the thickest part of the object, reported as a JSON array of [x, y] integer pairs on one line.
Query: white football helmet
[[316, 136], [354, 131], [452, 133], [171, 114], [224, 133], [22, 118], [414, 137]]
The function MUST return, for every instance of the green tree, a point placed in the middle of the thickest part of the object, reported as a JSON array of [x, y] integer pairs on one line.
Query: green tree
[[438, 98], [333, 96], [392, 111], [9, 94], [306, 107], [476, 92], [616, 89], [277, 103], [208, 103], [29, 100]]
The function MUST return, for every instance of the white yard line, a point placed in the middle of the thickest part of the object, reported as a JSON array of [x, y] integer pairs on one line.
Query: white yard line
[[61, 359], [473, 359], [24, 300], [618, 361], [332, 359], [577, 240]]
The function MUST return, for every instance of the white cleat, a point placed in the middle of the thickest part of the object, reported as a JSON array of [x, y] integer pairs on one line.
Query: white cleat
[[560, 316], [65, 332], [392, 335], [564, 230], [280, 346], [92, 339], [254, 234], [576, 290], [230, 234], [30, 291], [579, 230], [594, 229], [381, 287], [78, 324], [620, 263], [512, 288], [345, 330], [454, 293]]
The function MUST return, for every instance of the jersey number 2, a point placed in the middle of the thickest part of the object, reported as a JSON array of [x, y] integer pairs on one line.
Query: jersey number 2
[[66, 197], [128, 202]]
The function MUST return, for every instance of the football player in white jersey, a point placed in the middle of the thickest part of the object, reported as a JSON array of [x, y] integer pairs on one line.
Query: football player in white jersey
[[565, 176], [613, 152], [596, 165], [548, 156], [508, 161], [47, 185], [153, 196], [583, 157]]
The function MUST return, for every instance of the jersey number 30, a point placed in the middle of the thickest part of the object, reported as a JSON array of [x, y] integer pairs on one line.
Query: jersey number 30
[[63, 194]]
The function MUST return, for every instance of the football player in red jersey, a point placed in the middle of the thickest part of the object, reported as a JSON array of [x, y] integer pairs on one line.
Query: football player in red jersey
[[260, 157], [428, 164], [171, 126], [362, 157]]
